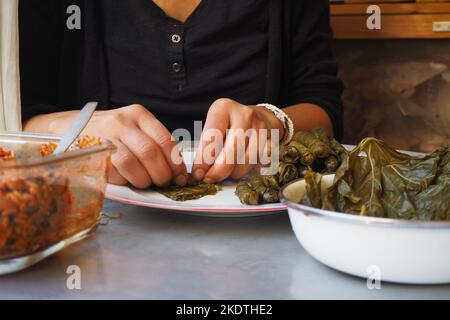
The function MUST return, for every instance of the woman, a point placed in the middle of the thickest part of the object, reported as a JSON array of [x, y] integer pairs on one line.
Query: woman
[[159, 65]]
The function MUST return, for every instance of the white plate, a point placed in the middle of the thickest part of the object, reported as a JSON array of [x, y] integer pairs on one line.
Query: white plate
[[223, 204]]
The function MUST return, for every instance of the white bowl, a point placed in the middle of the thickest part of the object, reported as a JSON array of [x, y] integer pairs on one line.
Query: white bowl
[[372, 248]]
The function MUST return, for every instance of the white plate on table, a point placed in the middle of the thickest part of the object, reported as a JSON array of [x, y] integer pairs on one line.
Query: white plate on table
[[224, 204]]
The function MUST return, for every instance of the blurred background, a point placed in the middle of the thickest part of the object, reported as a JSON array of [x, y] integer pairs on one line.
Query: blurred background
[[397, 78]]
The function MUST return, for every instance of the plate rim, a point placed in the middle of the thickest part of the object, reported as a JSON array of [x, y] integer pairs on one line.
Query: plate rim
[[277, 207]]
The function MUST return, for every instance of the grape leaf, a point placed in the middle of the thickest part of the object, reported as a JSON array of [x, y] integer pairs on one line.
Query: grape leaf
[[376, 180]]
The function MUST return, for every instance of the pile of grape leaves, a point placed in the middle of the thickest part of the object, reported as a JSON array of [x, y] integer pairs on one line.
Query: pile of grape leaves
[[377, 181]]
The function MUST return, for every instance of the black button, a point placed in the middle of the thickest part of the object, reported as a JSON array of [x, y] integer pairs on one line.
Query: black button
[[177, 67]]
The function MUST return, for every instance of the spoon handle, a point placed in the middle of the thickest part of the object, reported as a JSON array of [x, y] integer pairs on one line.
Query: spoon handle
[[77, 127]]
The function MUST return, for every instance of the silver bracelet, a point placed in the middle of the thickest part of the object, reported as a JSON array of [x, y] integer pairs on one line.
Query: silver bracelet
[[285, 120]]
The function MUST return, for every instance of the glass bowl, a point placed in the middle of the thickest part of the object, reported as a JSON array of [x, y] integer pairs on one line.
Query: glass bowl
[[48, 203]]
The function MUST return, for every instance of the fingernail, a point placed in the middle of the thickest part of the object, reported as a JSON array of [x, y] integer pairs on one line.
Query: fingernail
[[181, 180], [199, 174], [208, 180]]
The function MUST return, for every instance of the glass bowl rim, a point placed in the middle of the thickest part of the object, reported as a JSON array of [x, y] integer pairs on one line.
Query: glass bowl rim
[[52, 159]]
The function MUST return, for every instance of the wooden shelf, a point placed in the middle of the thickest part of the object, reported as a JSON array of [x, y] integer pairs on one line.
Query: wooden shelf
[[398, 21]]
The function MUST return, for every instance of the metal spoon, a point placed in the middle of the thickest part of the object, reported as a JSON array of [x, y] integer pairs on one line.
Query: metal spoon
[[76, 128]]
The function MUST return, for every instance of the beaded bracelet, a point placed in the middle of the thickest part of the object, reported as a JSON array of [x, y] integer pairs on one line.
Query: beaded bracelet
[[285, 120]]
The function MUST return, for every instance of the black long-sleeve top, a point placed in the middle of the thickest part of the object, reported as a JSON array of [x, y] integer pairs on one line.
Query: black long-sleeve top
[[127, 52]]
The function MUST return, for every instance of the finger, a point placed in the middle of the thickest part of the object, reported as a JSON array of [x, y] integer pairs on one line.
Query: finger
[[265, 157], [212, 139], [250, 157], [114, 177], [235, 145], [129, 167], [262, 151], [269, 166], [161, 136], [148, 153]]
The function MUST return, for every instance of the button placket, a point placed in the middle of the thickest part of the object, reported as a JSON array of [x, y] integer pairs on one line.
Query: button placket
[[176, 66]]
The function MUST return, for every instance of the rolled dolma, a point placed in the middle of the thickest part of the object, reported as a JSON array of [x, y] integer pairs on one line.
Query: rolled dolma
[[267, 188], [321, 135], [317, 146], [258, 184], [296, 152], [331, 164], [270, 182], [270, 196], [246, 194], [302, 171], [319, 165], [306, 156], [286, 173], [337, 147], [289, 154]]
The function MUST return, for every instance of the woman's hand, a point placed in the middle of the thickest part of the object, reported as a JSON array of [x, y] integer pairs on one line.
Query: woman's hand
[[224, 135], [146, 152]]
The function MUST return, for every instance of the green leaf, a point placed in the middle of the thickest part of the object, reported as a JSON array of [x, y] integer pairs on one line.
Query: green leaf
[[313, 196], [376, 180], [193, 191], [434, 203]]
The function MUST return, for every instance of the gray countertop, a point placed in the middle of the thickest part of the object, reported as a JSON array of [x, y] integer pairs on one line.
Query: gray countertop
[[153, 254]]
